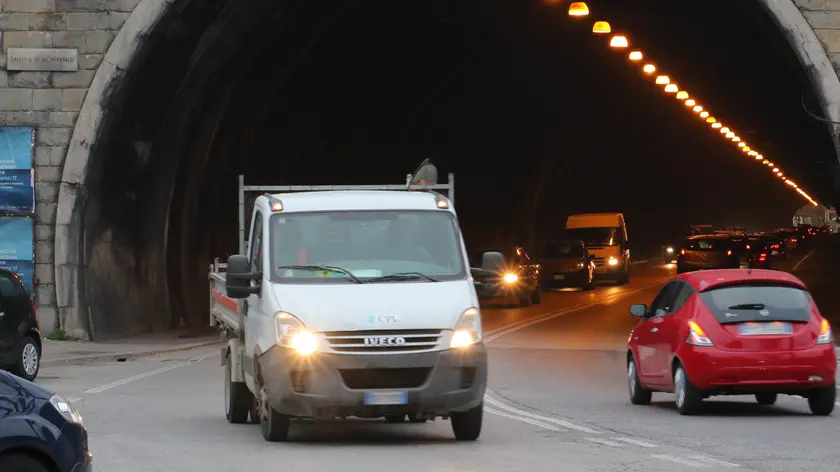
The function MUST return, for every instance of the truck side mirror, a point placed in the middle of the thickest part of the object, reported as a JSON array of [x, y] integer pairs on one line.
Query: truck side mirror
[[238, 278]]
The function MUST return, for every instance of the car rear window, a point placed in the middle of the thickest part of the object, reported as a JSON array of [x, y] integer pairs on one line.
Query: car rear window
[[741, 303], [708, 245]]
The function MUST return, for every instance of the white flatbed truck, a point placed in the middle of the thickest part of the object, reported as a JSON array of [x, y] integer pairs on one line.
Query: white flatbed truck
[[350, 301]]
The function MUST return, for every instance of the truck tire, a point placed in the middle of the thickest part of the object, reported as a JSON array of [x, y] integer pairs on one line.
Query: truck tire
[[467, 424], [238, 399], [21, 463], [273, 426]]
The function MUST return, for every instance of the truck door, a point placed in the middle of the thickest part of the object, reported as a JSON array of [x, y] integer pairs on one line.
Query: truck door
[[253, 315]]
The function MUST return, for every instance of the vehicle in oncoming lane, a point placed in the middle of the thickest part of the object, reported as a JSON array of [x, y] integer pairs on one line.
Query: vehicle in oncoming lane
[[508, 275], [605, 236], [565, 264], [20, 335], [708, 251], [40, 431], [732, 332]]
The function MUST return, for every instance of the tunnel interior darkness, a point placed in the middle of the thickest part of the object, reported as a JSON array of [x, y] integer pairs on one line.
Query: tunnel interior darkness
[[536, 117]]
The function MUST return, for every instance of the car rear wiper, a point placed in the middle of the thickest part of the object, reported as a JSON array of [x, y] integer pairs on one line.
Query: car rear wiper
[[748, 306], [323, 267], [402, 276]]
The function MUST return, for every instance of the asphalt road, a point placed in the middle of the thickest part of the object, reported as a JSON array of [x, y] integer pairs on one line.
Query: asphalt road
[[557, 401]]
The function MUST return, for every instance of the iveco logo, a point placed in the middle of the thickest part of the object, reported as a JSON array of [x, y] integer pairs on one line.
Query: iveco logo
[[384, 341], [763, 312]]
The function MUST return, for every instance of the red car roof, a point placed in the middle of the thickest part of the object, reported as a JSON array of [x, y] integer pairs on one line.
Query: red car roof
[[708, 279]]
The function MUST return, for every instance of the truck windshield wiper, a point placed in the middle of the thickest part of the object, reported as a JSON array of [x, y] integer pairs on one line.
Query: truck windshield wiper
[[402, 276], [748, 306], [323, 267]]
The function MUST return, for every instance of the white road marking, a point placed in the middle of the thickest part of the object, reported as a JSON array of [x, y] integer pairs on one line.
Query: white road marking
[[605, 442], [636, 442], [523, 419], [679, 460], [804, 258], [150, 373], [714, 461], [73, 400], [547, 419], [512, 328]]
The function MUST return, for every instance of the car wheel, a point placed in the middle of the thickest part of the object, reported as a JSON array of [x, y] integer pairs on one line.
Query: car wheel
[[638, 394], [238, 399], [766, 398], [524, 300], [689, 400], [821, 400], [28, 360], [21, 463], [467, 424]]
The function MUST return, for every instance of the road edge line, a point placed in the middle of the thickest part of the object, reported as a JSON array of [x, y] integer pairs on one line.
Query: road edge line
[[125, 355]]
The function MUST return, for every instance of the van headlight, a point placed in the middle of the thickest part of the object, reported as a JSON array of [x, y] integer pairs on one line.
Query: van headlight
[[612, 261], [65, 409], [293, 334], [510, 278], [468, 329]]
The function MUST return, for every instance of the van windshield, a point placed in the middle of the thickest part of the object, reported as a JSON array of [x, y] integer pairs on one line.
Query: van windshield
[[595, 236], [368, 244]]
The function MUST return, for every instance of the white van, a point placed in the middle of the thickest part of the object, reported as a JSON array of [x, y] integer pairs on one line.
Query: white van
[[605, 236]]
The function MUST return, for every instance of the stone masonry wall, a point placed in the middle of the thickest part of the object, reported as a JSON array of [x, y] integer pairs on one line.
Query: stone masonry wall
[[50, 102], [824, 18]]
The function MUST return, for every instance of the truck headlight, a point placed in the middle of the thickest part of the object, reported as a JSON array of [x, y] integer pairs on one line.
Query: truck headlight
[[612, 261], [510, 278], [467, 330], [65, 409], [669, 250], [293, 334]]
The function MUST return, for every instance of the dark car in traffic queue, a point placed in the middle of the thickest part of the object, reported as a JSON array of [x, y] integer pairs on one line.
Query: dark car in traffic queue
[[567, 264], [732, 332], [505, 276], [20, 336], [709, 251], [758, 252], [40, 431], [789, 238]]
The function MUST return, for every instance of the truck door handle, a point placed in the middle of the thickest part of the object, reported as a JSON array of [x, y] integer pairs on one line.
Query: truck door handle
[[654, 330], [2, 314]]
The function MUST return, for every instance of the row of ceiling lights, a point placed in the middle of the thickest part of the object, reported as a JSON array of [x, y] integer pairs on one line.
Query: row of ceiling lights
[[580, 9]]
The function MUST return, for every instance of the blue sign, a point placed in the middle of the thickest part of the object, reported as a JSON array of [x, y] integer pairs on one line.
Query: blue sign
[[17, 249], [17, 186]]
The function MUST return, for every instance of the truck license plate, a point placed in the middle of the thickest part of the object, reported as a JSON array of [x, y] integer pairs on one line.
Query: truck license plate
[[559, 277], [386, 398]]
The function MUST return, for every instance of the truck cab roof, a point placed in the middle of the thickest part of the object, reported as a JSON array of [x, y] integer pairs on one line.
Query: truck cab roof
[[348, 200]]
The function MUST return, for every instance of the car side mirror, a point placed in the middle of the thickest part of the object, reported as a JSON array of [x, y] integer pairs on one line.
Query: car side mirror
[[238, 278], [639, 310], [492, 261]]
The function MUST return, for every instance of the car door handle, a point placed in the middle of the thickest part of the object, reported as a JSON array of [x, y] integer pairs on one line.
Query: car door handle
[[654, 330]]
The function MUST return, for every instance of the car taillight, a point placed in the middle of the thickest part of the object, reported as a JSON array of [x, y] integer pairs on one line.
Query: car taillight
[[762, 257], [696, 336], [793, 240], [682, 252], [825, 337], [729, 252]]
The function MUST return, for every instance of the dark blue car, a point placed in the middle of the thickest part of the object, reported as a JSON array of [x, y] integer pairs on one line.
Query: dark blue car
[[39, 430]]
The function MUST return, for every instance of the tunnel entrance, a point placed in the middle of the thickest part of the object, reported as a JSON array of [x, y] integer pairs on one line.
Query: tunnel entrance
[[515, 100]]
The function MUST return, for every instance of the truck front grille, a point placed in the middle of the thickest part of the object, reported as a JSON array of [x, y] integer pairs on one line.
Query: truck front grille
[[384, 378], [383, 341]]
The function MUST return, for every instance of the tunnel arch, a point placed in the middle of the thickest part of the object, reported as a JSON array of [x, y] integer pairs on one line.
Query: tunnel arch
[[71, 251]]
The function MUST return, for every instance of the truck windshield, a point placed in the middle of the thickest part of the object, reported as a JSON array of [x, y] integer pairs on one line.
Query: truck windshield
[[594, 236], [369, 244]]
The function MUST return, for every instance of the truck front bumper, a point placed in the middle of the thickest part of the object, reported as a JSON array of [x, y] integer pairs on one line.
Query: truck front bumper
[[325, 385]]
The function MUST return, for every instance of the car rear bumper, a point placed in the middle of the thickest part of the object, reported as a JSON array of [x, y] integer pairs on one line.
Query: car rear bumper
[[325, 385], [568, 279], [746, 372]]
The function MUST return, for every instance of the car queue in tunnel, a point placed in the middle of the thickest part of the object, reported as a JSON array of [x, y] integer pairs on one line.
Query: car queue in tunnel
[[270, 144]]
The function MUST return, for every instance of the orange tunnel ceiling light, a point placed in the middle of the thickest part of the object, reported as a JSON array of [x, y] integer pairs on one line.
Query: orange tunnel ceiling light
[[649, 68], [619, 41], [671, 88], [730, 135], [716, 125], [698, 109], [578, 9], [752, 153], [759, 156], [736, 139], [601, 27], [704, 114], [746, 149], [690, 103], [636, 56], [711, 119], [663, 80], [724, 130], [682, 95], [741, 144]]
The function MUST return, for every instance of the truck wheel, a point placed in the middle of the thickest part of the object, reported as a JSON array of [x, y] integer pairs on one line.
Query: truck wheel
[[238, 399], [467, 424], [821, 400], [21, 463], [273, 426]]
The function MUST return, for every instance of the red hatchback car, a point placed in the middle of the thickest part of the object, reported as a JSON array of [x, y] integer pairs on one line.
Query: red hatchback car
[[732, 332]]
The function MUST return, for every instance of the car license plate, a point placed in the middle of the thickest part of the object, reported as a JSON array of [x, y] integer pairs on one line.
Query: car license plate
[[765, 329], [559, 277], [386, 398]]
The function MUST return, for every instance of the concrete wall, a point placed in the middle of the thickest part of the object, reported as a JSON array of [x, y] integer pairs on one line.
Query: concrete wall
[[65, 109]]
